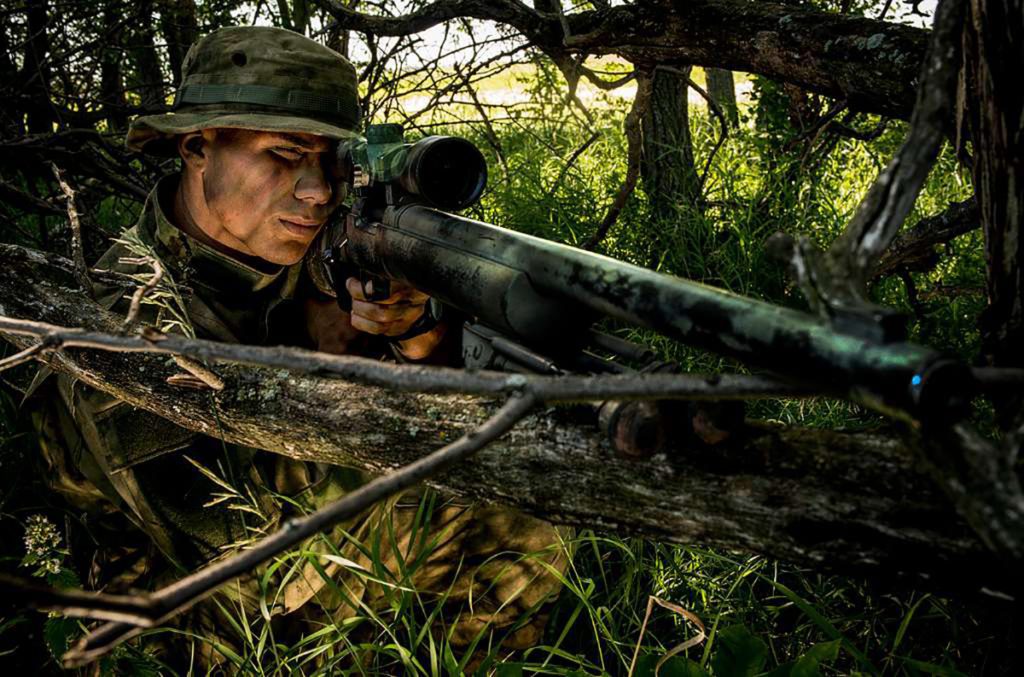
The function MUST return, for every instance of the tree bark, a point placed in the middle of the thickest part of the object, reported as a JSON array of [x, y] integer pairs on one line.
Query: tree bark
[[872, 65], [667, 167], [722, 90], [847, 502], [994, 51], [914, 249]]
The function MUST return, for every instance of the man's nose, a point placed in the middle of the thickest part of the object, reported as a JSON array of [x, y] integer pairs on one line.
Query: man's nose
[[312, 186]]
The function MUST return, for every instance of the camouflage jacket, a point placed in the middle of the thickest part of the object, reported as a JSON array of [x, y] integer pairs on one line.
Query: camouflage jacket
[[103, 448]]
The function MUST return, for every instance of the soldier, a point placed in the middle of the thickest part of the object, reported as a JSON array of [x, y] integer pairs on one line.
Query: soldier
[[255, 123]]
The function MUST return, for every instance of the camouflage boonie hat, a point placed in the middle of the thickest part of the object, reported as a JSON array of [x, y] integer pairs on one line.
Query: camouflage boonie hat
[[261, 78]]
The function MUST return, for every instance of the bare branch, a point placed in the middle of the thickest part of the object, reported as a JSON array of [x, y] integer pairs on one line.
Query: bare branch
[[22, 357], [571, 161], [199, 373], [835, 283], [416, 378], [894, 193], [641, 101], [914, 249], [23, 593], [872, 64], [77, 252]]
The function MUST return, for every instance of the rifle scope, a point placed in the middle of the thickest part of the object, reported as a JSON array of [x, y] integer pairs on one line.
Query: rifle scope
[[445, 172]]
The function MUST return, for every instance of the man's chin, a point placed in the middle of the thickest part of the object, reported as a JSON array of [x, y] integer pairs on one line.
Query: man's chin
[[286, 256], [285, 253]]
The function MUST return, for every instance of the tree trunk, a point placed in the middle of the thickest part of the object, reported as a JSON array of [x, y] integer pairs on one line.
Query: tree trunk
[[111, 78], [722, 90], [149, 81], [994, 52], [300, 16], [180, 29], [669, 176], [838, 501], [35, 73]]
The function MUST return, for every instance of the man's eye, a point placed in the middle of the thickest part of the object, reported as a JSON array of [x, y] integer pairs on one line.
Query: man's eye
[[288, 153]]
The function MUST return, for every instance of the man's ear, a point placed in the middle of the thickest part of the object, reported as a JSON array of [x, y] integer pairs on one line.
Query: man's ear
[[193, 147]]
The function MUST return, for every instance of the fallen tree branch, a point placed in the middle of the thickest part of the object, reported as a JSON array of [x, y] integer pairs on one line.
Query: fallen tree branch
[[172, 600], [838, 501]]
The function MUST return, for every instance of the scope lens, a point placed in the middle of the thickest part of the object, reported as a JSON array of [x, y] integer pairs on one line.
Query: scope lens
[[446, 171]]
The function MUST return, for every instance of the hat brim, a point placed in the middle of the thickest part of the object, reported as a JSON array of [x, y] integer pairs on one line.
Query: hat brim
[[155, 133]]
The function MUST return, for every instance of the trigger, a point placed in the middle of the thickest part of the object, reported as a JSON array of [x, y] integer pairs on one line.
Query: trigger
[[375, 288]]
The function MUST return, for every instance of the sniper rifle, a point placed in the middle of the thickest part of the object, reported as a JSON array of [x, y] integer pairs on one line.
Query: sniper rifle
[[534, 303]]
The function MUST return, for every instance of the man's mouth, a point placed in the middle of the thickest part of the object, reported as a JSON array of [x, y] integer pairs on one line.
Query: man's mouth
[[300, 226]]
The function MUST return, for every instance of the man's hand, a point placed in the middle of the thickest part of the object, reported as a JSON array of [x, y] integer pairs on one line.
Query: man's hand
[[394, 316]]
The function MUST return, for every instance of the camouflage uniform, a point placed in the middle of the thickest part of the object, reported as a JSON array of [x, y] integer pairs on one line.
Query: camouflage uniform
[[108, 456]]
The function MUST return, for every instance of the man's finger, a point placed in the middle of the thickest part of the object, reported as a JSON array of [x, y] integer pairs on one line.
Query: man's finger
[[380, 328], [400, 293], [386, 313]]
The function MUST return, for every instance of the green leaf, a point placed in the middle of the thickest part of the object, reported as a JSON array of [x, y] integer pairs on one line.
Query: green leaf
[[931, 668], [822, 623], [65, 578], [58, 633], [677, 666], [824, 652], [739, 654], [806, 666], [509, 670]]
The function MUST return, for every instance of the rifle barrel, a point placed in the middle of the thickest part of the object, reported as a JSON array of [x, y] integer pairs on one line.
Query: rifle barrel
[[543, 293]]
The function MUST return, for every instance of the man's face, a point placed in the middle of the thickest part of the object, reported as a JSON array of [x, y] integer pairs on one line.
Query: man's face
[[267, 194]]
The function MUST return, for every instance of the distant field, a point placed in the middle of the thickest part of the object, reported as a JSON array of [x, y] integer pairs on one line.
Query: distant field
[[511, 87]]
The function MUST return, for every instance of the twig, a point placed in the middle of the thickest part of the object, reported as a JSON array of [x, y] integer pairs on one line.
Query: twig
[[25, 355], [136, 304], [571, 161], [634, 142], [199, 372], [181, 595], [21, 592], [77, 252], [420, 378]]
